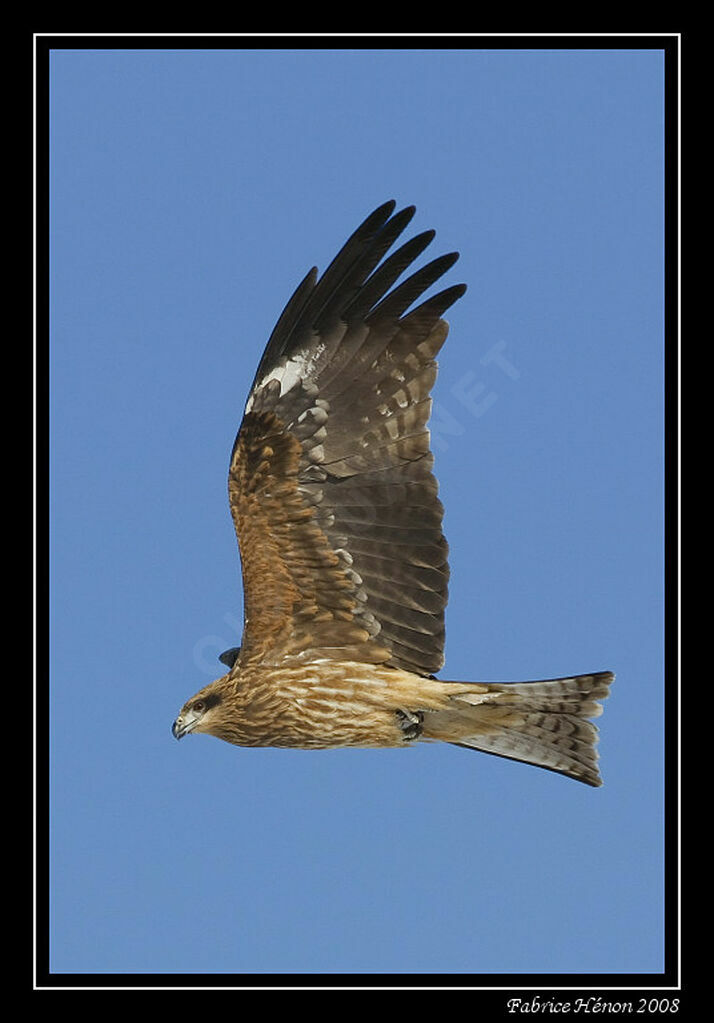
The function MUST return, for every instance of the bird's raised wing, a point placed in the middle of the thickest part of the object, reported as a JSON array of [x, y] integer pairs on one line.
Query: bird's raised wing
[[330, 483]]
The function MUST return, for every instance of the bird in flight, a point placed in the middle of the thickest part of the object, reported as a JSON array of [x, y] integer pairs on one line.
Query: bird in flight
[[339, 527]]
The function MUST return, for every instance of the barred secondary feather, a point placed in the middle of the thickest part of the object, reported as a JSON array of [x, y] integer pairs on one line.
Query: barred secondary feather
[[344, 561]]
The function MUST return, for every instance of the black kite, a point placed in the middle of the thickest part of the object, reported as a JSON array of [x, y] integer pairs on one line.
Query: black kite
[[339, 526]]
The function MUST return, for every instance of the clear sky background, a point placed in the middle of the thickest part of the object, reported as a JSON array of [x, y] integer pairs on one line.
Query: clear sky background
[[190, 192]]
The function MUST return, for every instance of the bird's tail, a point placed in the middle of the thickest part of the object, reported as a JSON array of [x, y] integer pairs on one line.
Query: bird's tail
[[542, 723]]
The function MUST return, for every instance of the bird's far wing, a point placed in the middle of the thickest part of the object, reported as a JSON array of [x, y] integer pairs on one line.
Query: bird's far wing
[[330, 483]]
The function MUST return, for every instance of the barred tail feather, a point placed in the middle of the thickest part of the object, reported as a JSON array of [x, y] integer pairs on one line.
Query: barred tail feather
[[542, 723]]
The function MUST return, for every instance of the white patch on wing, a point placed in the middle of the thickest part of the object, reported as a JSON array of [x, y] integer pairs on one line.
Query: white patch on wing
[[289, 373]]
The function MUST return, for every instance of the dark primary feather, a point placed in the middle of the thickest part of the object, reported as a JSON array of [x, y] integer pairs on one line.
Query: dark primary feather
[[358, 256], [331, 488]]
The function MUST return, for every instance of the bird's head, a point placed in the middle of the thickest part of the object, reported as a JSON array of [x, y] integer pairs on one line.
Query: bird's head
[[203, 712]]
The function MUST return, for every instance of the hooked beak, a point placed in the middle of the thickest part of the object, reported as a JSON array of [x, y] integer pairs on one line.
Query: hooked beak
[[182, 726]]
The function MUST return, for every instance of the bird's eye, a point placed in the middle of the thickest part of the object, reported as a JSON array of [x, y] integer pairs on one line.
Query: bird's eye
[[199, 705]]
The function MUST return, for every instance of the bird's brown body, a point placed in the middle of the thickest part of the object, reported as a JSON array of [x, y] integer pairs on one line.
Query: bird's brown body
[[344, 561], [323, 705]]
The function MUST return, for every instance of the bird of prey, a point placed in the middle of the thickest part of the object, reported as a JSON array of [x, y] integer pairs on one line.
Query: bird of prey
[[339, 528]]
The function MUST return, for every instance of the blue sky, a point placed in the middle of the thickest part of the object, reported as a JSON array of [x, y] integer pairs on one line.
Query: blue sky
[[190, 192]]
